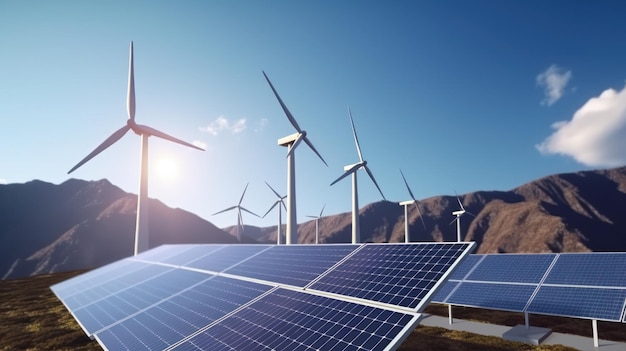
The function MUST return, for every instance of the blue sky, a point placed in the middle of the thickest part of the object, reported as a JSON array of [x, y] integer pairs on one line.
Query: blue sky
[[465, 95]]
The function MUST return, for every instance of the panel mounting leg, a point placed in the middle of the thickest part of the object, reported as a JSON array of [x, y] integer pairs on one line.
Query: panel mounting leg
[[594, 325], [450, 320]]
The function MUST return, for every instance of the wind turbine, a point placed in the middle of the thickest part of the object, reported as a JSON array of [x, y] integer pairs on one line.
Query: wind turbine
[[352, 169], [291, 142], [141, 229], [239, 217], [317, 227], [406, 205], [458, 215], [280, 220]]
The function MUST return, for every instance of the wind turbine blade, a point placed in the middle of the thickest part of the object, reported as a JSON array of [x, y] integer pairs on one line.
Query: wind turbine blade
[[130, 101], [282, 104], [250, 212], [108, 142], [374, 180], [308, 142], [356, 139], [159, 134], [420, 214], [271, 208], [295, 144], [454, 220], [274, 191], [316, 217], [459, 200], [407, 187], [283, 202], [322, 211], [346, 173], [244, 193], [222, 211]]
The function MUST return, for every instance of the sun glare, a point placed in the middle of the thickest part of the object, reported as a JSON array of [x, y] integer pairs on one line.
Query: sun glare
[[167, 168]]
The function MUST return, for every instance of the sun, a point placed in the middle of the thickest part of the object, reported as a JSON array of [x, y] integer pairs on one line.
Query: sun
[[167, 168]]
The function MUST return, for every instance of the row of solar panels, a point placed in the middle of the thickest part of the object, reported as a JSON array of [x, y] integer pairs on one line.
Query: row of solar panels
[[579, 285], [297, 297]]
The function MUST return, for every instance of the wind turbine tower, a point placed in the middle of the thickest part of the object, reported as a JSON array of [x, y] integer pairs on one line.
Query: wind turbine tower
[[239, 208], [352, 169], [291, 142], [458, 215], [141, 228], [406, 205], [317, 225], [278, 202]]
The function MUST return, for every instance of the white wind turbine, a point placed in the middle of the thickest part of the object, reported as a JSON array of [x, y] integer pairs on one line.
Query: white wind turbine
[[458, 215], [406, 205], [291, 142], [352, 169], [317, 226], [239, 208], [141, 229], [280, 218]]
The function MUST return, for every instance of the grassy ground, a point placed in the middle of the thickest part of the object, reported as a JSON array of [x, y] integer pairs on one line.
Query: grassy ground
[[32, 318]]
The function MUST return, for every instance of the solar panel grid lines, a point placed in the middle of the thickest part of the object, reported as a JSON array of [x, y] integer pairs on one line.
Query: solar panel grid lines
[[466, 267], [591, 269], [169, 322], [517, 268], [507, 297], [295, 265], [542, 281], [226, 257], [394, 274], [288, 319], [191, 254]]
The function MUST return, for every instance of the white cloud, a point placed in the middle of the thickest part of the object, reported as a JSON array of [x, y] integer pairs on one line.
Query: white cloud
[[596, 135], [222, 123], [3, 181], [261, 126], [553, 80]]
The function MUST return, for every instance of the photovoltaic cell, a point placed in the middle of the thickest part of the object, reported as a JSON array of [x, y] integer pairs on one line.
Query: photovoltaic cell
[[465, 267], [517, 268], [225, 257], [592, 269], [397, 274], [169, 322], [112, 308], [295, 265], [191, 254], [509, 297], [291, 320], [580, 302], [445, 290]]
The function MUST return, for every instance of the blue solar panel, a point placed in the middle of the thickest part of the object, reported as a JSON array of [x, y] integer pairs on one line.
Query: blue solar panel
[[291, 320], [162, 252], [134, 298], [465, 266], [442, 294], [513, 268], [169, 322], [226, 257], [397, 274], [192, 253], [592, 269], [295, 265], [580, 302], [509, 297]]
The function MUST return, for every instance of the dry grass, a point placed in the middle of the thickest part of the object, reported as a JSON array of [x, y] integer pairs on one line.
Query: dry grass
[[34, 319]]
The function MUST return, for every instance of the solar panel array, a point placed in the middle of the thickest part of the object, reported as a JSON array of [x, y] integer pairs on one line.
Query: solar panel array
[[262, 297], [580, 285]]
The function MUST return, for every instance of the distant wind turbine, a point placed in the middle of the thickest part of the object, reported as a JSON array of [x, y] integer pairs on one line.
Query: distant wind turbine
[[458, 215], [141, 229], [352, 169], [280, 220], [291, 142], [317, 227], [406, 205], [239, 208]]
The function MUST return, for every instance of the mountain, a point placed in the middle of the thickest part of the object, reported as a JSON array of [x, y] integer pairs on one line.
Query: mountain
[[560, 213], [48, 228]]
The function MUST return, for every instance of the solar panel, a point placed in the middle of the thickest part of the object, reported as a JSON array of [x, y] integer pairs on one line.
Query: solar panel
[[508, 297], [170, 321], [295, 265], [442, 294], [396, 274], [194, 294], [592, 269], [465, 267], [291, 320], [517, 268], [580, 302]]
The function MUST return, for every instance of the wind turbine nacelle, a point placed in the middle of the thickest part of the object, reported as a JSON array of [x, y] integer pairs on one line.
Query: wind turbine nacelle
[[458, 213], [288, 140], [349, 167], [406, 203]]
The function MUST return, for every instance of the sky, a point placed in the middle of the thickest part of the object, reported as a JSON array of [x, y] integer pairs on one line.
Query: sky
[[460, 95]]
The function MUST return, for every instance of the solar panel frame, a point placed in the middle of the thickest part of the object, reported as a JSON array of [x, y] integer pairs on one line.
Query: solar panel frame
[[512, 268], [589, 269], [496, 296], [226, 257]]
